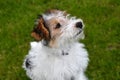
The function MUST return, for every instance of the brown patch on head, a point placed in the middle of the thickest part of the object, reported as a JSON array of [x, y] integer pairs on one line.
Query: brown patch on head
[[50, 29], [40, 31], [55, 32], [54, 27]]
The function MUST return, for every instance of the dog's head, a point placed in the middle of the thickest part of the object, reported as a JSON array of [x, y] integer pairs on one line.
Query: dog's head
[[58, 28]]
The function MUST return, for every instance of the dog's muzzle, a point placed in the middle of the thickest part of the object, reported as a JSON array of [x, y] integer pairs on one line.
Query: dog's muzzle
[[79, 25]]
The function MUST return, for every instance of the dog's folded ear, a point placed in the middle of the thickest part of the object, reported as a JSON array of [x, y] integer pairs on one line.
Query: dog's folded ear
[[40, 31]]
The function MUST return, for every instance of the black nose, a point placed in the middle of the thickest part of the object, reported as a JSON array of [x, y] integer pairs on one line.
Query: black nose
[[79, 25]]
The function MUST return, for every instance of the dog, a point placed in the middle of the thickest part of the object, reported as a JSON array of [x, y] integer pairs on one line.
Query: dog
[[57, 53]]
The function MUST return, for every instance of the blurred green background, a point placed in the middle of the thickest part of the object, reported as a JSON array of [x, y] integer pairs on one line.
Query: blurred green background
[[102, 20]]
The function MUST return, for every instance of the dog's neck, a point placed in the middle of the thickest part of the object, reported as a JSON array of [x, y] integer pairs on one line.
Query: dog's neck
[[59, 50], [58, 44]]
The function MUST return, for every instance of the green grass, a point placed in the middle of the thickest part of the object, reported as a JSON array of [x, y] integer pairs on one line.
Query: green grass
[[102, 20]]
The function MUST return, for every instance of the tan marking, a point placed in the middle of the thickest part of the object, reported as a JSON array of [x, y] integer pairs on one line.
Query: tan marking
[[41, 27], [36, 36], [55, 33]]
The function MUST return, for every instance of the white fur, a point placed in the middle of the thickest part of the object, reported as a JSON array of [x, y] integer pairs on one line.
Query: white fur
[[50, 64]]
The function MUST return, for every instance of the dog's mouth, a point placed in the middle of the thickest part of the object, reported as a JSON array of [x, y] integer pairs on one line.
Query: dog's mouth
[[78, 33]]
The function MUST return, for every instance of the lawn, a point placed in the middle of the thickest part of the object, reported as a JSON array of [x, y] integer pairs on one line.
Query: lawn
[[102, 20]]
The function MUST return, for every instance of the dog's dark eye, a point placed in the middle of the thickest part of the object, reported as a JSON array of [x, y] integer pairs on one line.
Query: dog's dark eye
[[58, 25]]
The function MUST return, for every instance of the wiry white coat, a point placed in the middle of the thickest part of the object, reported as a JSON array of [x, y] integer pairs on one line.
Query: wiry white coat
[[50, 64], [67, 61]]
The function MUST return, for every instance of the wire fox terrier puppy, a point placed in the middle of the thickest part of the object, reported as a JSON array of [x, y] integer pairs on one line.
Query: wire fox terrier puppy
[[57, 54]]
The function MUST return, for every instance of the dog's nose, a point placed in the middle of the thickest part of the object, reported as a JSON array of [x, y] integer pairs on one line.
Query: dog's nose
[[79, 25]]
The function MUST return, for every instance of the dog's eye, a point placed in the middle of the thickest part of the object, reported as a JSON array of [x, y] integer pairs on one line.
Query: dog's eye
[[58, 25]]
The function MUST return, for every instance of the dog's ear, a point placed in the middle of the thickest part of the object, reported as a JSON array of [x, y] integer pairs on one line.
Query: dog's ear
[[40, 31]]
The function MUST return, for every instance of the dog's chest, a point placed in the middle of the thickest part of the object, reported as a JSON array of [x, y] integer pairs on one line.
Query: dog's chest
[[57, 66], [57, 62]]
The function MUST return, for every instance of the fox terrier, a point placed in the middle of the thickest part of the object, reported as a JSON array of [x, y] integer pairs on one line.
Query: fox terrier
[[57, 53]]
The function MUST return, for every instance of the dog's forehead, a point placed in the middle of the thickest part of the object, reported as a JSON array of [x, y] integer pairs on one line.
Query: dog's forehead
[[54, 21]]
